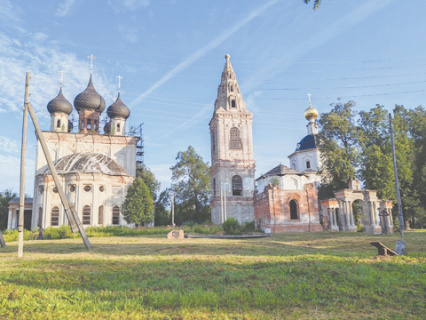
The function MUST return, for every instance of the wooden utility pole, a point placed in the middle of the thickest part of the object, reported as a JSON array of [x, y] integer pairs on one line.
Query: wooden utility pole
[[22, 182], [72, 216], [221, 206], [173, 208], [400, 215], [2, 242]]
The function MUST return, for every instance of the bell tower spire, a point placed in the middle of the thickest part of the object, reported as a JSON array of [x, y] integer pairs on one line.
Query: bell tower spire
[[229, 95]]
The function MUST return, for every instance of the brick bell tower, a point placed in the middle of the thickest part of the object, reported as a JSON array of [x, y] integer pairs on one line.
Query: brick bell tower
[[233, 167]]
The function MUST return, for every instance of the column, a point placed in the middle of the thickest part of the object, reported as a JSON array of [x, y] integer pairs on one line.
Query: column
[[9, 220]]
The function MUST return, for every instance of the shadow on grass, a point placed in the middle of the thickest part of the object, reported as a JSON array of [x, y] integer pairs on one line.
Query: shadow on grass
[[326, 243]]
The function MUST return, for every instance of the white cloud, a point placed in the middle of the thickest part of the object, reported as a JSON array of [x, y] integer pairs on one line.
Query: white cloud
[[43, 61], [9, 145], [10, 173], [129, 33], [64, 8]]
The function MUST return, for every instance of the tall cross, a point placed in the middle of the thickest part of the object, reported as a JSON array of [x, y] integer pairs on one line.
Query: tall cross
[[309, 95], [91, 57], [119, 83], [62, 76]]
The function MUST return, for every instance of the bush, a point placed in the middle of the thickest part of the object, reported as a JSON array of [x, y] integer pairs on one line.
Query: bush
[[249, 227], [231, 226]]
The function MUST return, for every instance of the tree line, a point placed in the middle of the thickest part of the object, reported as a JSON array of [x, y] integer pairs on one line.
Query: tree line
[[357, 144]]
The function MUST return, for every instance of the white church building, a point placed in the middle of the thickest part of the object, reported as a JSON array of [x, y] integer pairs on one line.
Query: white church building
[[95, 169]]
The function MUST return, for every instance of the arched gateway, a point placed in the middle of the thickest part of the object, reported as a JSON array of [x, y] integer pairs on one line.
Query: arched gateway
[[339, 214]]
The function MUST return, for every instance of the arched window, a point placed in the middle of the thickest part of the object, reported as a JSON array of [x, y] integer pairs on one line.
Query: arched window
[[308, 164], [54, 218], [235, 141], [237, 186], [86, 215], [58, 123], [40, 217], [214, 187], [89, 124], [116, 215], [294, 215], [233, 104], [118, 127], [101, 215]]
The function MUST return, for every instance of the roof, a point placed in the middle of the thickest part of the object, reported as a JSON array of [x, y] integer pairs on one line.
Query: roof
[[17, 200], [308, 142], [280, 170], [88, 162]]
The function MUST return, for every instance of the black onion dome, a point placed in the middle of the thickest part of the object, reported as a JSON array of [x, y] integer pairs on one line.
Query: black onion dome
[[89, 99], [118, 109], [107, 128], [60, 104]]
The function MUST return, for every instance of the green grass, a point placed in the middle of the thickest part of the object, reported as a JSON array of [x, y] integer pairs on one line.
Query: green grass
[[293, 276], [64, 232]]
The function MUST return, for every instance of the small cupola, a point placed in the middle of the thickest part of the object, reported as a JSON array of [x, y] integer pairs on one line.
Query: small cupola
[[118, 112], [59, 108]]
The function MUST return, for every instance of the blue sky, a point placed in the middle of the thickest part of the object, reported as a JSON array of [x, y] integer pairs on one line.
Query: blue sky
[[171, 55]]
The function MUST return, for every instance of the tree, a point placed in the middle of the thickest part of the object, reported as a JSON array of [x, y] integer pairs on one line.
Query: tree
[[376, 165], [138, 207], [148, 177], [5, 198], [162, 215], [192, 187], [338, 143], [316, 3]]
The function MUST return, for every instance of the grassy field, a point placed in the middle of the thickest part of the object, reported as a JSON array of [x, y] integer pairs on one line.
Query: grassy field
[[288, 276]]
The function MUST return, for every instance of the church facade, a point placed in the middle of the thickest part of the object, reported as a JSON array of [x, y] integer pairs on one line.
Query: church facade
[[95, 169], [233, 167]]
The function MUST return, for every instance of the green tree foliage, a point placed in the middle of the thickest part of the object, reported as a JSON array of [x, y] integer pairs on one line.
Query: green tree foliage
[[148, 177], [365, 147], [316, 3], [376, 166], [338, 142], [138, 207], [162, 214], [191, 187], [5, 198]]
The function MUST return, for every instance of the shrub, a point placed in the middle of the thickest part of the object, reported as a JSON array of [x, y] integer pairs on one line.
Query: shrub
[[249, 227], [231, 226]]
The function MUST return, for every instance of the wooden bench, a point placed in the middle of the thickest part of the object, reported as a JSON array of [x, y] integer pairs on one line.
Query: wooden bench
[[383, 250]]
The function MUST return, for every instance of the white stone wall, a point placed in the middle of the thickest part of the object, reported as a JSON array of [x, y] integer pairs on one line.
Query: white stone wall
[[120, 148]]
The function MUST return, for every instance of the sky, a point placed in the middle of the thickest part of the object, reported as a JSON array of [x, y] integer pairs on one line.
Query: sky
[[171, 54]]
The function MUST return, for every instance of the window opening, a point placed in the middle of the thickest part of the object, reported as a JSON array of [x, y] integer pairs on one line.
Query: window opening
[[293, 210], [58, 123], [237, 186], [233, 104], [308, 164], [116, 215], [54, 219], [235, 142], [86, 215]]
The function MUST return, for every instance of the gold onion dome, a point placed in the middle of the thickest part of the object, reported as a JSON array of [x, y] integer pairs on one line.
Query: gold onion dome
[[59, 104], [89, 99], [311, 113]]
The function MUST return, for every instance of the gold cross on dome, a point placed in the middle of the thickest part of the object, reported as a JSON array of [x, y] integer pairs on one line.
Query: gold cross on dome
[[119, 83], [91, 57], [309, 95]]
